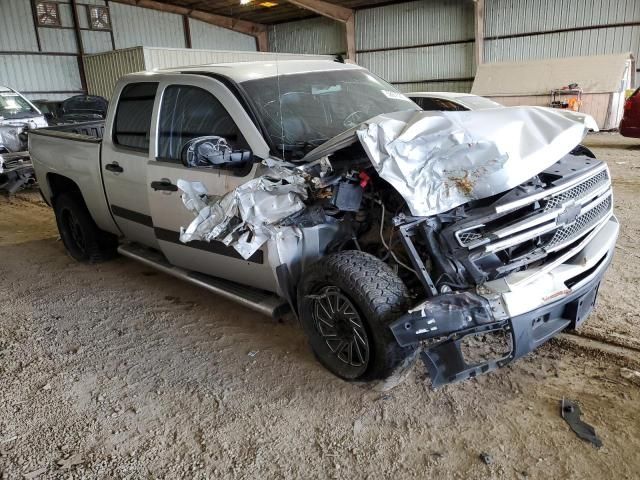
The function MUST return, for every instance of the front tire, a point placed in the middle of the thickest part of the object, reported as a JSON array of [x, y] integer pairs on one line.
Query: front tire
[[346, 302], [82, 238]]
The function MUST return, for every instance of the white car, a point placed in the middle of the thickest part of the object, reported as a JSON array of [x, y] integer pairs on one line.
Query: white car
[[451, 101], [461, 102]]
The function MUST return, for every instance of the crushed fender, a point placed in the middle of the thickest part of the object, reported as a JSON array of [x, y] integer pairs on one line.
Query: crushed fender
[[248, 216]]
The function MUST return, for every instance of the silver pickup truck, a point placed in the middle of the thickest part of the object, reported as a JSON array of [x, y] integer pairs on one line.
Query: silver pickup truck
[[464, 238]]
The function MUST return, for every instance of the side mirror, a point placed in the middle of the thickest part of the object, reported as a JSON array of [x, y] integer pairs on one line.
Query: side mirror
[[213, 151], [48, 116]]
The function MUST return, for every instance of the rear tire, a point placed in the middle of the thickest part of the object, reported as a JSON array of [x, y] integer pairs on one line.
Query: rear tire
[[82, 238], [347, 301]]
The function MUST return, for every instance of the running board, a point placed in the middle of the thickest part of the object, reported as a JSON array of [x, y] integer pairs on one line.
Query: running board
[[258, 300]]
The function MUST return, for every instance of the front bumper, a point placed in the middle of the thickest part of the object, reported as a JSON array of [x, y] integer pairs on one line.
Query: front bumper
[[457, 316]]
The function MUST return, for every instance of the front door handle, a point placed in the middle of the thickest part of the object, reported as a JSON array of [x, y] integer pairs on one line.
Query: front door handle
[[114, 167], [165, 185]]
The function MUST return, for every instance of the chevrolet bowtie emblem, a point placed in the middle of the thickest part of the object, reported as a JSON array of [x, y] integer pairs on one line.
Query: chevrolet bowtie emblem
[[569, 215]]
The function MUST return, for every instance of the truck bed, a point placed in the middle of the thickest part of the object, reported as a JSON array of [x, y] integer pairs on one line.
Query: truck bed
[[86, 131], [73, 152]]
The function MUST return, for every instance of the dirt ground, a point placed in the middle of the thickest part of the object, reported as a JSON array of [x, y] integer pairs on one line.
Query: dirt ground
[[117, 371]]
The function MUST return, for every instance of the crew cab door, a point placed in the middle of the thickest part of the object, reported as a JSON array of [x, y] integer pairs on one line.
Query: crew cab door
[[190, 107], [125, 153]]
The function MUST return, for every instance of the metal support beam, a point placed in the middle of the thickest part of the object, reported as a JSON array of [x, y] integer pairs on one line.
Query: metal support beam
[[80, 45], [241, 26], [187, 31], [478, 8], [326, 9], [262, 40], [351, 38], [334, 12]]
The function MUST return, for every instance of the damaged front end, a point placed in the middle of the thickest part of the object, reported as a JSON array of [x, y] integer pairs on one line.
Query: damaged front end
[[501, 234], [16, 171], [512, 270]]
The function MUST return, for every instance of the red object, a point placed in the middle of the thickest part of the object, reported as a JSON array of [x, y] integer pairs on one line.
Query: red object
[[364, 179], [630, 124]]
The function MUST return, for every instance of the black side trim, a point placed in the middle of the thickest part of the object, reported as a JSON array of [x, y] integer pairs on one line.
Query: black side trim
[[218, 248], [132, 216]]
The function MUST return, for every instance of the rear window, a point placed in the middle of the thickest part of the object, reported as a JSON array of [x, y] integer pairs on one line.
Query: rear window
[[133, 116]]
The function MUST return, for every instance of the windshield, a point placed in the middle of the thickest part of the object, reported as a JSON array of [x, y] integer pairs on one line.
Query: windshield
[[317, 106], [13, 105], [475, 102]]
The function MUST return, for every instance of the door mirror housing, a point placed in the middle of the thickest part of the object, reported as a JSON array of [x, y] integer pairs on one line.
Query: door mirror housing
[[214, 151]]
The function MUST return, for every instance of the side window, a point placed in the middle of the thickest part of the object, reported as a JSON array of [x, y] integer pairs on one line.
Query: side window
[[190, 112], [133, 116]]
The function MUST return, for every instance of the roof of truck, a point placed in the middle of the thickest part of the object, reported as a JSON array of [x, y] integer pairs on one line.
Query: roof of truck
[[244, 71]]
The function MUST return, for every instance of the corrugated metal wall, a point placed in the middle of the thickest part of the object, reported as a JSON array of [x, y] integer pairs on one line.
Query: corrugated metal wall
[[40, 73], [17, 33], [314, 36], [104, 70], [52, 71], [534, 29], [133, 26], [60, 40], [414, 23], [210, 37], [504, 17], [53, 68], [425, 45]]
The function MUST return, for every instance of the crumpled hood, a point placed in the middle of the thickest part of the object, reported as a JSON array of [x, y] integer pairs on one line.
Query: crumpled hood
[[439, 160]]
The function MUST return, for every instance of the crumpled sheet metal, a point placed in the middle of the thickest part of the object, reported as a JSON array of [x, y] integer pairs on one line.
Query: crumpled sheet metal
[[246, 217], [440, 160], [10, 137]]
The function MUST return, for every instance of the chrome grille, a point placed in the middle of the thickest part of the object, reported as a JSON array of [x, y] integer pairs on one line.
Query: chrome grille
[[582, 224], [544, 226], [579, 191], [465, 238]]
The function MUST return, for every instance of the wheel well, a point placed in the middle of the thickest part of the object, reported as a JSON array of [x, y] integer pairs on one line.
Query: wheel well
[[59, 184]]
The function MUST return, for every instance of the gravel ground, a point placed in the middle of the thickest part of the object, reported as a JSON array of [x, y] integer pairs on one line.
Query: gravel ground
[[117, 371]]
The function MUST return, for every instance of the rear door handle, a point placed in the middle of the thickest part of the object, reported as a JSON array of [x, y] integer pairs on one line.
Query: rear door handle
[[165, 185], [114, 167]]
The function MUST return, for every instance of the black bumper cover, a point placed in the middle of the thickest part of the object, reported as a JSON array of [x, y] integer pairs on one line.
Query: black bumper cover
[[463, 314]]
